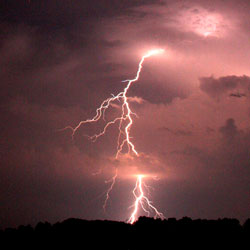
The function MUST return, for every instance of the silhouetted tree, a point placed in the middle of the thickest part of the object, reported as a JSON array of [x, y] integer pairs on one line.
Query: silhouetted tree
[[145, 233], [246, 226]]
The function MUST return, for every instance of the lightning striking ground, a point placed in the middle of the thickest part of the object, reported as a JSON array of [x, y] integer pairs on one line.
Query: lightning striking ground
[[124, 139], [143, 201]]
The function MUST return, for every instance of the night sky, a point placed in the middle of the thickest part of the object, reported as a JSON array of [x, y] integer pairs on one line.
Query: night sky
[[59, 59]]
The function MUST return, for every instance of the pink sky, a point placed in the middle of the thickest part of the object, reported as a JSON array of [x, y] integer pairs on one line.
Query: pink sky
[[192, 131]]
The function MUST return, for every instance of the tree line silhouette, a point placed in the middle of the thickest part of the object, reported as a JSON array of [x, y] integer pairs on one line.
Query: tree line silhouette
[[146, 233]]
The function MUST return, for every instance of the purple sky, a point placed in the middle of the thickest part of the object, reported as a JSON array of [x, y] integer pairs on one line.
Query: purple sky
[[60, 59]]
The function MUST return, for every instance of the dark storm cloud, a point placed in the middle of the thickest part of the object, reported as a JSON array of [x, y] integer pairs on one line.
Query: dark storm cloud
[[157, 93], [230, 129], [234, 157], [46, 45], [177, 132], [216, 87], [51, 72], [64, 12], [218, 170]]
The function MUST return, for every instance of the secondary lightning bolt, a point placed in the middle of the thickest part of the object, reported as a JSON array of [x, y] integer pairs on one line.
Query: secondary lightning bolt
[[112, 180], [125, 122], [143, 201]]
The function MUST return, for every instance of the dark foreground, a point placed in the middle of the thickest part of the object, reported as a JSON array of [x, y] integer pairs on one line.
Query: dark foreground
[[146, 233]]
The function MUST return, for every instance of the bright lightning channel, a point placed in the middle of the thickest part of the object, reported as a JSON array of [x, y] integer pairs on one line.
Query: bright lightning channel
[[125, 122], [143, 201], [126, 114]]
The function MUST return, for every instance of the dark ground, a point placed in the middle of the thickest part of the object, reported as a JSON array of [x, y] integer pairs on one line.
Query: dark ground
[[146, 233]]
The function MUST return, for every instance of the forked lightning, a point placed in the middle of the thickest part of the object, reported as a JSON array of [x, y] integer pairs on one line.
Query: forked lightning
[[125, 121]]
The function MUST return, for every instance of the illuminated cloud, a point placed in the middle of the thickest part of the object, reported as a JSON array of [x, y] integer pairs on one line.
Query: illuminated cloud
[[203, 22]]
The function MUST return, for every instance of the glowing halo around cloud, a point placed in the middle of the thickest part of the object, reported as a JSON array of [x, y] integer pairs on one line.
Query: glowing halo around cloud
[[154, 52], [203, 22]]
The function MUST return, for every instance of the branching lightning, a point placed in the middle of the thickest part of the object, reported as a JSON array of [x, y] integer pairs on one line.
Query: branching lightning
[[125, 121], [126, 114], [143, 201], [112, 180]]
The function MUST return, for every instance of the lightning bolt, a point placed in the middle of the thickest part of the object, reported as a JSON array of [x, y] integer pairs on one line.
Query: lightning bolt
[[124, 139], [143, 201], [112, 180]]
